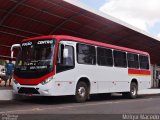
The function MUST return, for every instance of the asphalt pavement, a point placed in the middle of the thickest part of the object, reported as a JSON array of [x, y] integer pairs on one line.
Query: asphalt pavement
[[98, 107]]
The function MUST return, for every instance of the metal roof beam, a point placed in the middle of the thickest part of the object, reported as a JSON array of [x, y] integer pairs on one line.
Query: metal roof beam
[[52, 15], [13, 34], [48, 24], [7, 46], [96, 31], [41, 10], [72, 10], [21, 30], [61, 16], [4, 56], [11, 10], [65, 21]]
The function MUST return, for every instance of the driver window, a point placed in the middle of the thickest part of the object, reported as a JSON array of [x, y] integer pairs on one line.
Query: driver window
[[69, 61], [65, 63]]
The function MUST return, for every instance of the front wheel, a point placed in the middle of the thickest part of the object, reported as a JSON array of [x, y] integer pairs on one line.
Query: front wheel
[[81, 92], [133, 91]]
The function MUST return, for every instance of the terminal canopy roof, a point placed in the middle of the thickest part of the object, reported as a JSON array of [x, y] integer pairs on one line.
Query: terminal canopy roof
[[21, 19]]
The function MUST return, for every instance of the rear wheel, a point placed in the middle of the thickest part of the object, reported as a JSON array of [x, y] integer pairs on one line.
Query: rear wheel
[[133, 91], [82, 92]]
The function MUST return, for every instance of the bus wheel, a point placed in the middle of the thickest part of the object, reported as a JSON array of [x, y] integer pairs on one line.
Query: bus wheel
[[81, 92], [133, 91]]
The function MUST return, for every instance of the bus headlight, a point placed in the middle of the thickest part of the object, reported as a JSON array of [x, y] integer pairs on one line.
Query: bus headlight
[[15, 81], [46, 81]]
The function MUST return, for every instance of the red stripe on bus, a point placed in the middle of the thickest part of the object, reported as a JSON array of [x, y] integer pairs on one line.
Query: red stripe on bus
[[139, 72], [35, 81]]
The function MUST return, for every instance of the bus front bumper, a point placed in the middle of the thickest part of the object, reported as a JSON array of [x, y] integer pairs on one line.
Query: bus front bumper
[[35, 90]]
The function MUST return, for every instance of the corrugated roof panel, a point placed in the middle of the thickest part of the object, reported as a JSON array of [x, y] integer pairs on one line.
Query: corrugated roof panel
[[7, 39], [2, 14], [122, 33], [94, 16], [3, 51], [43, 17], [71, 7], [62, 31], [16, 32], [40, 4], [60, 11], [84, 29], [71, 25], [83, 19], [15, 21], [26, 24], [26, 11], [55, 1], [49, 19], [7, 4], [103, 35]]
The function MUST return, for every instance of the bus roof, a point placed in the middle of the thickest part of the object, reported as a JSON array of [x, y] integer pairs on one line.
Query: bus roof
[[92, 42]]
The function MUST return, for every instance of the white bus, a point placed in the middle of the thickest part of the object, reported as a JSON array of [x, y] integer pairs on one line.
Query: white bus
[[64, 65]]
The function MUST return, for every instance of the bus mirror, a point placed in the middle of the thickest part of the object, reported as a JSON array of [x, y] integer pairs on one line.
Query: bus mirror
[[14, 46], [65, 53], [11, 54]]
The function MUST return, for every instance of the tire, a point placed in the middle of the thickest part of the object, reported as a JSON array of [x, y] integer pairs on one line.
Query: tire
[[82, 92], [133, 91]]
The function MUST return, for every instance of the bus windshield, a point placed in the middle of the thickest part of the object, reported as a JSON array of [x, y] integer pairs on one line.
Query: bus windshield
[[36, 57]]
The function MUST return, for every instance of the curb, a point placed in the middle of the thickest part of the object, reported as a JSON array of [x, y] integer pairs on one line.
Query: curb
[[6, 95]]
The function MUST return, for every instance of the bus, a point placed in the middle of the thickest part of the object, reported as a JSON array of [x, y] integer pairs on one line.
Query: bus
[[61, 65]]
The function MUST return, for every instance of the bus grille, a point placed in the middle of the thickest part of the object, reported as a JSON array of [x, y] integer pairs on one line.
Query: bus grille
[[28, 90]]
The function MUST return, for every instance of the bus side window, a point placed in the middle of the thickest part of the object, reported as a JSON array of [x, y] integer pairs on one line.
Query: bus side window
[[120, 59], [86, 54], [132, 60], [144, 62], [104, 57]]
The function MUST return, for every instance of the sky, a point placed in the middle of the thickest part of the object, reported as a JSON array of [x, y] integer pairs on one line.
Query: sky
[[143, 14]]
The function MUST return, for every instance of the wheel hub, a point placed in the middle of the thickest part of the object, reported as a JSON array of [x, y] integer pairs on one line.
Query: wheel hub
[[81, 91], [133, 91]]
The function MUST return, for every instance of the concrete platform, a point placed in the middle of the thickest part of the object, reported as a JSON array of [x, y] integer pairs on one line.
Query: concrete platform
[[149, 91], [7, 94]]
